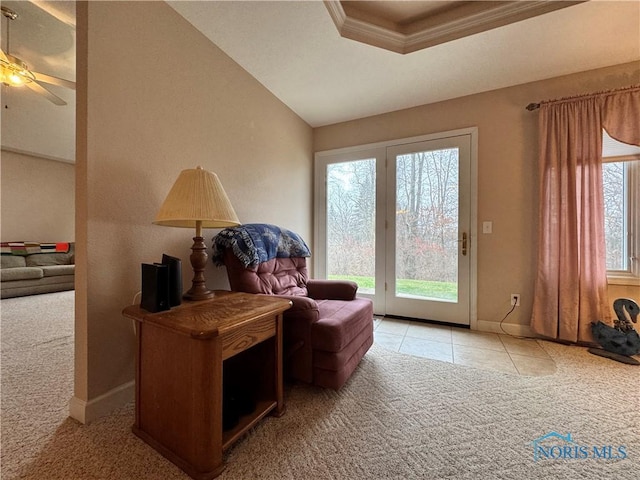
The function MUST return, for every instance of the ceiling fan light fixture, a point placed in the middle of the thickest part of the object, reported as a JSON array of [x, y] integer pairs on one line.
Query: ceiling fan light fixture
[[15, 72]]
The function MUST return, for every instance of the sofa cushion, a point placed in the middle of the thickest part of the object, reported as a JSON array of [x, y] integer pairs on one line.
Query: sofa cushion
[[20, 288], [340, 322], [42, 259], [57, 270], [20, 273], [12, 261]]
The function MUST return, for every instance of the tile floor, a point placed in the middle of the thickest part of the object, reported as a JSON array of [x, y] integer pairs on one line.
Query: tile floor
[[489, 351]]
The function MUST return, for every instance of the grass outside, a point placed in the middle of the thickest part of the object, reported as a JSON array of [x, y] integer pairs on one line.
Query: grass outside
[[418, 288]]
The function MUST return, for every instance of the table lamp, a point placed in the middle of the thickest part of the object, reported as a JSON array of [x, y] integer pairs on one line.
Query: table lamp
[[197, 200]]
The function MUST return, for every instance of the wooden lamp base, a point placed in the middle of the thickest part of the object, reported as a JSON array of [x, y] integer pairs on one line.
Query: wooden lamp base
[[198, 290]]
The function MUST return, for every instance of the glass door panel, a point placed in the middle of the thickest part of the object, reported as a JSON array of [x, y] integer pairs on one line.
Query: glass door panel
[[426, 223], [351, 222], [428, 233], [395, 217]]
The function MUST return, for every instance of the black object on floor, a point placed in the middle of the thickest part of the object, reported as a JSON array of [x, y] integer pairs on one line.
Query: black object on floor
[[614, 356]]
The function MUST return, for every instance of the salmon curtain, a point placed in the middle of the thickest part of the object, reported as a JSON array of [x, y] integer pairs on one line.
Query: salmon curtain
[[571, 281]]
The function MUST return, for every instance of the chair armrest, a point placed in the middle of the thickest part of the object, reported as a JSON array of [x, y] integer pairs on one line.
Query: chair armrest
[[299, 303], [332, 289]]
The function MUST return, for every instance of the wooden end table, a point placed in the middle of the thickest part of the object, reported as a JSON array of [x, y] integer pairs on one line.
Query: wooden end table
[[183, 358]]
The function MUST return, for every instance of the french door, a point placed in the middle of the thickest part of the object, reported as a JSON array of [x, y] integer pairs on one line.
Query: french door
[[397, 218]]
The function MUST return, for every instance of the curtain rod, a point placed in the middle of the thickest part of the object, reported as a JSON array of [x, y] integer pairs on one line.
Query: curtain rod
[[534, 106]]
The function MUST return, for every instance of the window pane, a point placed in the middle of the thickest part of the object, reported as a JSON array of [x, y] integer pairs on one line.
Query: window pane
[[351, 216], [427, 225], [614, 180]]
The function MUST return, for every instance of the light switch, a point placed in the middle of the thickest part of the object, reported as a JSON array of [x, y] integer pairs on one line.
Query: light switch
[[487, 227]]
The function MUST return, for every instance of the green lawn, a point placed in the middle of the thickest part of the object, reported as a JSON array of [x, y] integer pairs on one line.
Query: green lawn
[[421, 288]]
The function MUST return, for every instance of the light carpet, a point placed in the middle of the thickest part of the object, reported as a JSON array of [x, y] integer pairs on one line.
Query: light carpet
[[399, 417]]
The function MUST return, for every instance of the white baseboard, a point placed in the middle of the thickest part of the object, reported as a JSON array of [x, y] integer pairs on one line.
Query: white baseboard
[[87, 411], [509, 328]]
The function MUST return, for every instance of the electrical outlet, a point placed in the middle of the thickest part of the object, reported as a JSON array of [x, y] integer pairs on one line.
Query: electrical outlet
[[515, 299]]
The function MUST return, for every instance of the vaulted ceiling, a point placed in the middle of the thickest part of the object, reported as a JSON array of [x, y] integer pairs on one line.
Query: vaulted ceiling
[[302, 52], [295, 50]]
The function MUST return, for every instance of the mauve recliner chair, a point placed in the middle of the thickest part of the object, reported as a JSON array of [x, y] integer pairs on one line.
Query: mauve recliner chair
[[328, 329]]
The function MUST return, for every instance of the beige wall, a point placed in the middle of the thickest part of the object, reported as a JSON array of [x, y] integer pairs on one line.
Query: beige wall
[[37, 199], [507, 173], [156, 97]]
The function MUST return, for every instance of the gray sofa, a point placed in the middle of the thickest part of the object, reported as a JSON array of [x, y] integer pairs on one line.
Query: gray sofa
[[35, 273]]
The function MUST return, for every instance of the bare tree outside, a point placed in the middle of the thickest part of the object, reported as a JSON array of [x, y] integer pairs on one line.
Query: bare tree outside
[[614, 189], [426, 223], [351, 216]]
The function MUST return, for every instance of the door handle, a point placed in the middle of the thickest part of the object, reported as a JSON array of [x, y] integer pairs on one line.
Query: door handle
[[464, 243]]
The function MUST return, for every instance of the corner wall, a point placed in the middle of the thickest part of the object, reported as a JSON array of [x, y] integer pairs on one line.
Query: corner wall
[[156, 97], [37, 199], [507, 175]]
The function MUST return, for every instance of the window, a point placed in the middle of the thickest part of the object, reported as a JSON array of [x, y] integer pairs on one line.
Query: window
[[621, 188]]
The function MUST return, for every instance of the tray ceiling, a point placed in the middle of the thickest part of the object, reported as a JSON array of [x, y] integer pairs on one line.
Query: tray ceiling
[[408, 26]]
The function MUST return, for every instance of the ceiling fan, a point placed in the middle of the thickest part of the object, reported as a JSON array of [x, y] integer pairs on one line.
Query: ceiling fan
[[15, 73]]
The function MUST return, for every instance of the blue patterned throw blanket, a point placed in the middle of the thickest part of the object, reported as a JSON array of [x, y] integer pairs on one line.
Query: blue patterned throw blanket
[[255, 243]]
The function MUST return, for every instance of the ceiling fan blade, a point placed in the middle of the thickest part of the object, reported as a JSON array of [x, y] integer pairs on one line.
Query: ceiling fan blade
[[3, 56], [61, 82], [36, 87]]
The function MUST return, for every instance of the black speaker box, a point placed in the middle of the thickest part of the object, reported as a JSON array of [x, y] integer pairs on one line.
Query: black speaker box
[[175, 279], [155, 287]]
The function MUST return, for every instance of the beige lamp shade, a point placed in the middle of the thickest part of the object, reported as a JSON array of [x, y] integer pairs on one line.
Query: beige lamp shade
[[197, 199]]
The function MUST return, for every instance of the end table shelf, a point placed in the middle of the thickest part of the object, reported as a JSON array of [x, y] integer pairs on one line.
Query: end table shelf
[[187, 356], [263, 408]]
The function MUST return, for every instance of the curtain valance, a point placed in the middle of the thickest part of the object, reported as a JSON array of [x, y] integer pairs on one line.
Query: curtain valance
[[621, 115]]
